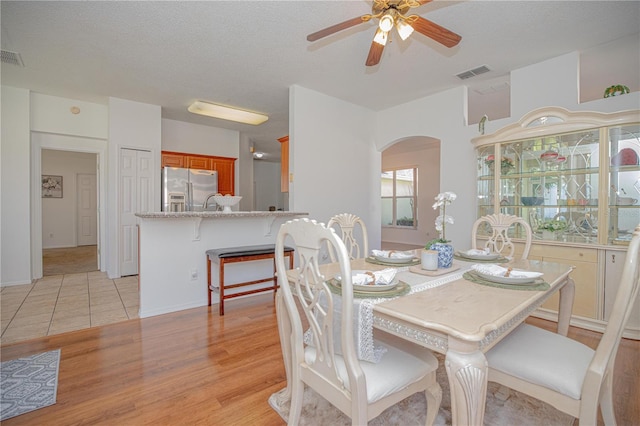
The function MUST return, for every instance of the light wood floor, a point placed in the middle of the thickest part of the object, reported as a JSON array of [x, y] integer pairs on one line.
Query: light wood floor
[[196, 368]]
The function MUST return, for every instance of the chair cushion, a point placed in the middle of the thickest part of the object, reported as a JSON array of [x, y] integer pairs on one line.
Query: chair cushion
[[544, 358], [396, 370]]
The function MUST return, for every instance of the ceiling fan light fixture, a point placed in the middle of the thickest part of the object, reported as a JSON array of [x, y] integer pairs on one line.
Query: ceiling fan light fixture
[[380, 37], [404, 29], [227, 113], [386, 22]]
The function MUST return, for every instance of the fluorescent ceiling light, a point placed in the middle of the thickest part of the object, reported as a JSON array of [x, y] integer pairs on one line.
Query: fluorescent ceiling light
[[227, 113]]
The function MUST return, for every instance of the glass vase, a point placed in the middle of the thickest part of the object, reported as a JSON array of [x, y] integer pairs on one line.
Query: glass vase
[[445, 254]]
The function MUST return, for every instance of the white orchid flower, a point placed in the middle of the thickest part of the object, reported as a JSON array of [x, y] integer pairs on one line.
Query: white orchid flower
[[442, 201]]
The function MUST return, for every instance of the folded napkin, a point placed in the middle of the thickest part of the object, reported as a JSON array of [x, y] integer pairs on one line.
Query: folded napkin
[[500, 271], [478, 252], [392, 254], [383, 277]]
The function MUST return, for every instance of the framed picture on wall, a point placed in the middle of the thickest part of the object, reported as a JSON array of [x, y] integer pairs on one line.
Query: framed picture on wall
[[51, 186]]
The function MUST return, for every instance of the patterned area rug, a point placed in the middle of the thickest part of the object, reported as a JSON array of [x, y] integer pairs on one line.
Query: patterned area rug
[[504, 407], [29, 383]]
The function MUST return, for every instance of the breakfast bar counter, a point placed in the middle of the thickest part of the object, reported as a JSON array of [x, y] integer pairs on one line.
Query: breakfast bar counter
[[172, 266]]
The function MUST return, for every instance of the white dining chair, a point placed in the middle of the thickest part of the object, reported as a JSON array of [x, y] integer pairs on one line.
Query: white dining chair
[[562, 372], [499, 241], [351, 229], [360, 389]]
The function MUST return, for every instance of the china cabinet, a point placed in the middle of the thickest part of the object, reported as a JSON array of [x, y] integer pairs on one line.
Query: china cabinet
[[575, 177]]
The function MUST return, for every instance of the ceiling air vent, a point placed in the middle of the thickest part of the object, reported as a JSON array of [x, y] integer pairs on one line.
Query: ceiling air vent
[[472, 73], [12, 58]]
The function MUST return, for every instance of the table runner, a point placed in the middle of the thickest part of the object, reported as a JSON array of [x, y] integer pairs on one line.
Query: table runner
[[366, 350]]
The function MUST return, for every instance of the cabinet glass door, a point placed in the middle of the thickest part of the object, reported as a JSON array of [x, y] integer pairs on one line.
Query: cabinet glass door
[[553, 183], [486, 196], [624, 192]]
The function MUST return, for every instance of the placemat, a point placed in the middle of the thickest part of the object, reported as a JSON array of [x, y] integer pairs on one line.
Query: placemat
[[538, 285], [375, 261], [466, 259], [400, 290]]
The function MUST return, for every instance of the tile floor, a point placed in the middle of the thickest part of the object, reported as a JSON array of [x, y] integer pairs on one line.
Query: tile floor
[[60, 303]]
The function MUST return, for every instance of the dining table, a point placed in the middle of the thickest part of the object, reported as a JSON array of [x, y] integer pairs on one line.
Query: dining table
[[449, 312]]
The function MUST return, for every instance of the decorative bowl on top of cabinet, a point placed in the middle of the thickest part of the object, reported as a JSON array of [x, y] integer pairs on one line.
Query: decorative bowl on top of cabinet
[[577, 173]]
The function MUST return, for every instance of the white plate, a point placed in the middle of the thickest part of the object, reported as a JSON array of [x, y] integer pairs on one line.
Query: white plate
[[490, 256], [377, 287], [509, 280], [395, 259]]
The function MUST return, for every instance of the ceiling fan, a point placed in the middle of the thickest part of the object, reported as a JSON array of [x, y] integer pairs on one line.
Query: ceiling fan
[[393, 13]]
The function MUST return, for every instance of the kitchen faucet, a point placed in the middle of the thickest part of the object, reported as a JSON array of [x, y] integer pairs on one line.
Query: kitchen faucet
[[206, 202]]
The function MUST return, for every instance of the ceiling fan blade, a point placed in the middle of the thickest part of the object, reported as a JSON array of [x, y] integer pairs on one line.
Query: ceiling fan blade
[[375, 53], [436, 32], [337, 27]]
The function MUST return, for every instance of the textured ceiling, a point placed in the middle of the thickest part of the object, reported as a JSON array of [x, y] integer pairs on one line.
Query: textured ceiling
[[248, 53]]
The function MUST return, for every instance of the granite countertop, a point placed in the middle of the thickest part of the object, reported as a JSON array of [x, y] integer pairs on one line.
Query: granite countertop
[[221, 215]]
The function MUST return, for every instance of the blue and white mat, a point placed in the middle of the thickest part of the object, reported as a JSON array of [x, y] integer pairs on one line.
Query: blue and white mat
[[28, 383]]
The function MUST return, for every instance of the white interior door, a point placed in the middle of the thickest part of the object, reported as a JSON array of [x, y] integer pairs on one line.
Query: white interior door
[[87, 206], [136, 189]]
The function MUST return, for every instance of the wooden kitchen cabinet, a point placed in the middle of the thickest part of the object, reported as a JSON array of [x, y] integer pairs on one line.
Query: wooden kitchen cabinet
[[225, 166], [172, 159], [226, 174], [284, 163], [199, 162]]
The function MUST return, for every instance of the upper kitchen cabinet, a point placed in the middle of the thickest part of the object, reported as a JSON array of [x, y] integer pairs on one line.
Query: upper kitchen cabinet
[[574, 176], [226, 174], [225, 166], [199, 162], [171, 159], [284, 163]]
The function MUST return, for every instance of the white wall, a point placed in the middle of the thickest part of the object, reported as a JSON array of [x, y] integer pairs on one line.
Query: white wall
[[132, 125], [267, 185], [333, 158], [52, 114], [441, 116], [197, 139], [529, 91], [427, 159], [244, 176], [59, 215], [15, 231]]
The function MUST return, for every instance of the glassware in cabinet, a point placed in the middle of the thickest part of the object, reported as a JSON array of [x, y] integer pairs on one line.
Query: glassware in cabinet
[[624, 179]]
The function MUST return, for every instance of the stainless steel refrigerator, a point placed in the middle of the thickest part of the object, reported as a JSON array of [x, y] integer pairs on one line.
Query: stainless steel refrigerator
[[188, 189]]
